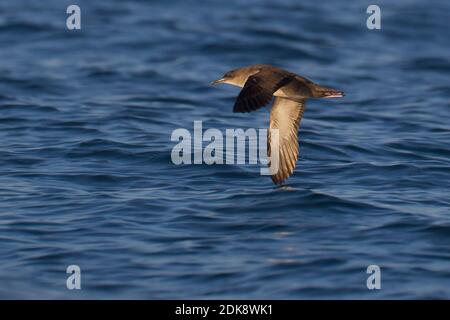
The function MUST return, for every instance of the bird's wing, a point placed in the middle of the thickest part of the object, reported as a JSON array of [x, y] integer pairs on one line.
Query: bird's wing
[[285, 116], [259, 89]]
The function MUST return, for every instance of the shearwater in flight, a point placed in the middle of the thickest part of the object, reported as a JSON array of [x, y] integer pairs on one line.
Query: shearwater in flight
[[259, 83]]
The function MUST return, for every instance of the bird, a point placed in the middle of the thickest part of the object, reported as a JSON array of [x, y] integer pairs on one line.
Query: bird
[[260, 83]]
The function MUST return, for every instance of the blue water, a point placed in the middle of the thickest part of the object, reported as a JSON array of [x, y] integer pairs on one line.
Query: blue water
[[85, 151]]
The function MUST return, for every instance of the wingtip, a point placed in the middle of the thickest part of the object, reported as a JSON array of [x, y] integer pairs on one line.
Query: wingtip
[[278, 181]]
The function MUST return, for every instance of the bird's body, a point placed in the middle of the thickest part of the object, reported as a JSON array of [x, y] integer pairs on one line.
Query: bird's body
[[259, 84]]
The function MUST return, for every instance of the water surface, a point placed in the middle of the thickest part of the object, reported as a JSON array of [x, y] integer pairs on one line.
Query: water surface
[[87, 179]]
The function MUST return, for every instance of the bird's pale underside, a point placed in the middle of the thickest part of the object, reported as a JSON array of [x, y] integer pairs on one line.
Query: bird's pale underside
[[259, 84]]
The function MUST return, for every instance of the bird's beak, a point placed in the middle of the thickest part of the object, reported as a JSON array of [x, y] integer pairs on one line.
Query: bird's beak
[[218, 81]]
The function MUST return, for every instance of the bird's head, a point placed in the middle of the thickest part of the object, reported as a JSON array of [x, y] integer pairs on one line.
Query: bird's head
[[231, 77], [237, 77]]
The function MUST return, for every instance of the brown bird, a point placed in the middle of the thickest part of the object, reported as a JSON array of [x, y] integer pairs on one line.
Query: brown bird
[[259, 83]]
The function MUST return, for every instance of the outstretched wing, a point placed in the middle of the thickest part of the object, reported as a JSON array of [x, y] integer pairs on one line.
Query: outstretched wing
[[259, 89], [285, 116]]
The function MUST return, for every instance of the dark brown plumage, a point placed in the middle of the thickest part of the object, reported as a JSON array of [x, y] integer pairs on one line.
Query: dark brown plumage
[[259, 89], [259, 84]]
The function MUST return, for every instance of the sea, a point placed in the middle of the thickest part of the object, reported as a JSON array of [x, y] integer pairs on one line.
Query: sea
[[92, 205]]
